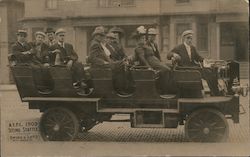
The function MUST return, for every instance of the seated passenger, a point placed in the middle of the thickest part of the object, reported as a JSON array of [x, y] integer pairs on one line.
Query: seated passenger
[[34, 54], [62, 53], [119, 54], [41, 75], [145, 55], [101, 50], [20, 51], [151, 42], [99, 55], [50, 36], [185, 54], [39, 49]]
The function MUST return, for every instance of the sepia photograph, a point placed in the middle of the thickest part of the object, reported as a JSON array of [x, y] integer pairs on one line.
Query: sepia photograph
[[124, 78]]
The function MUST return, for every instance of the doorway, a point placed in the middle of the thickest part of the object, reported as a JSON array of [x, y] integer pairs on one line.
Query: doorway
[[234, 41]]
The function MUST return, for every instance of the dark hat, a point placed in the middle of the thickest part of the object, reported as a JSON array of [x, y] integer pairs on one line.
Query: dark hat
[[116, 29], [111, 35], [50, 30], [21, 31], [99, 30]]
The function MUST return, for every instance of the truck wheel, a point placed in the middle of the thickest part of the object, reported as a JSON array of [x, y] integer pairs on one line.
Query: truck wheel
[[59, 124], [206, 125]]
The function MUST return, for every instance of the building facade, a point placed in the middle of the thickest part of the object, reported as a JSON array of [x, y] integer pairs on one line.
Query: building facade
[[220, 26], [10, 12]]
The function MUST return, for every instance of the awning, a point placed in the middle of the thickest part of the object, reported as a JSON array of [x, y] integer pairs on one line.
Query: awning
[[95, 21]]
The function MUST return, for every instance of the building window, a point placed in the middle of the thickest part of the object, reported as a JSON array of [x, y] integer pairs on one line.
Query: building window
[[182, 1], [202, 37], [116, 3], [165, 38], [227, 37], [51, 4], [180, 28]]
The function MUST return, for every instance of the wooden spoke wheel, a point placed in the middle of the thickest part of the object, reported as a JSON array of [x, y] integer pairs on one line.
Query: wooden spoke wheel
[[206, 125], [59, 124]]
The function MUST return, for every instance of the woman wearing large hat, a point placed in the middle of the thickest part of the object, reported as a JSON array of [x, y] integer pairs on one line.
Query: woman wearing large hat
[[145, 56]]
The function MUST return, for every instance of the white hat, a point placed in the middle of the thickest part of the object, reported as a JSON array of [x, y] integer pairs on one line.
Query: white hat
[[152, 31], [60, 30], [141, 30], [40, 33], [187, 32]]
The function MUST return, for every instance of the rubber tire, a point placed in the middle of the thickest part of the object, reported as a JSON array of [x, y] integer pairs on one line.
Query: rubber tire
[[73, 117], [204, 111]]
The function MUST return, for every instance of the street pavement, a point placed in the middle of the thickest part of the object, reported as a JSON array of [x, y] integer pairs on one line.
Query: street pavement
[[116, 138]]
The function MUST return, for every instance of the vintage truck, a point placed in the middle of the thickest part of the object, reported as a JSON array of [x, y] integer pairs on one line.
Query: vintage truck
[[66, 112]]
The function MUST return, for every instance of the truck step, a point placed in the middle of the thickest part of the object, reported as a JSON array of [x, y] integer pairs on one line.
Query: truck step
[[132, 110]]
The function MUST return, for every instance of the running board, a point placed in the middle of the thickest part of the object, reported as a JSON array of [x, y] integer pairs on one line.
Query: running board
[[118, 120], [26, 99], [132, 110]]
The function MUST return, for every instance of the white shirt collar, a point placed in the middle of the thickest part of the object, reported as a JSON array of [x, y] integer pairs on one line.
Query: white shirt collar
[[186, 45], [107, 52], [61, 44]]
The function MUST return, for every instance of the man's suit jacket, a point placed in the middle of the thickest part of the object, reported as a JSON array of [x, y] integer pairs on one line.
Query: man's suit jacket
[[156, 50], [97, 56], [182, 51], [16, 53], [44, 54], [117, 51], [66, 53]]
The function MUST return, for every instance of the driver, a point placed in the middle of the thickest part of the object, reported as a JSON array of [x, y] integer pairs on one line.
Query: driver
[[186, 54]]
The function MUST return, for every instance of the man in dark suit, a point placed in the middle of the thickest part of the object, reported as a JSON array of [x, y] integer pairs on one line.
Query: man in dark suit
[[20, 51], [151, 42], [118, 34], [186, 51], [34, 54], [62, 53], [186, 54], [98, 55], [39, 49], [51, 36]]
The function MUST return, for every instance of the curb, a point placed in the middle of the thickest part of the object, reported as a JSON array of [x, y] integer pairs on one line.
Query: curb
[[8, 87]]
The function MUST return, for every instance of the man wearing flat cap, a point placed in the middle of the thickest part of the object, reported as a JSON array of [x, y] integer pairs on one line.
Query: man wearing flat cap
[[151, 35], [39, 49], [20, 51], [63, 53], [186, 51], [186, 54]]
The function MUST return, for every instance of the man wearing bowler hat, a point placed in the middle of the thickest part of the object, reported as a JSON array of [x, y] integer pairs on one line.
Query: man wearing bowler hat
[[186, 54], [63, 53], [51, 36]]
